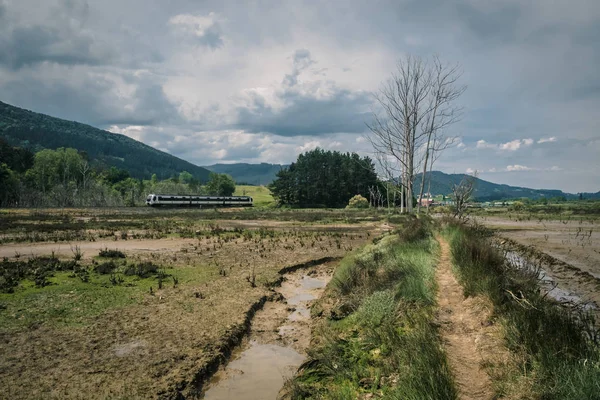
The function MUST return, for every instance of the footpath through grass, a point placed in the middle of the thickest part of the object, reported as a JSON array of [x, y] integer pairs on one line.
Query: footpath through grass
[[378, 338], [555, 349]]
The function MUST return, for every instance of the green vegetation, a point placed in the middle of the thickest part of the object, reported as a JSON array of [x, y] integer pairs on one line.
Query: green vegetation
[[220, 185], [260, 194], [321, 178], [379, 338], [556, 347], [358, 202], [65, 178], [104, 149]]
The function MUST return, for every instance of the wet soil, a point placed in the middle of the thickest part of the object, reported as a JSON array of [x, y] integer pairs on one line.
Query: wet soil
[[279, 336], [574, 242]]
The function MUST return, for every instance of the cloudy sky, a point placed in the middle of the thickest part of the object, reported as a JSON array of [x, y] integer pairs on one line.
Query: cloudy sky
[[261, 81]]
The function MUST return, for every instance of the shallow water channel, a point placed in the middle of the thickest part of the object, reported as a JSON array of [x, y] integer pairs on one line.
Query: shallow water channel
[[279, 336], [548, 283]]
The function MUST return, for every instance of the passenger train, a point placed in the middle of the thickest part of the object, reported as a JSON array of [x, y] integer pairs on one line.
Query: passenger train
[[155, 200]]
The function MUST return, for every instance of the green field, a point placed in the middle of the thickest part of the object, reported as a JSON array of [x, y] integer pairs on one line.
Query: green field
[[261, 194]]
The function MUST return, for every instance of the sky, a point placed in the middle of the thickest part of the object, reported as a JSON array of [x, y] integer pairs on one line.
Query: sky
[[262, 81]]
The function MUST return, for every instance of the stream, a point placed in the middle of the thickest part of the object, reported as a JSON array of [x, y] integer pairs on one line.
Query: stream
[[276, 345]]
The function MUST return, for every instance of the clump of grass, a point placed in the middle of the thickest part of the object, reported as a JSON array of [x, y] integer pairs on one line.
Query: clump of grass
[[106, 253], [559, 345], [107, 267], [37, 269], [142, 269]]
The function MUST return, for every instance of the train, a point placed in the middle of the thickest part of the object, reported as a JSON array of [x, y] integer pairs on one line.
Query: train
[[175, 200]]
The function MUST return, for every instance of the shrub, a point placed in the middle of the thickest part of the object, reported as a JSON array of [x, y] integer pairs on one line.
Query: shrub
[[143, 269], [111, 253], [106, 267], [358, 201]]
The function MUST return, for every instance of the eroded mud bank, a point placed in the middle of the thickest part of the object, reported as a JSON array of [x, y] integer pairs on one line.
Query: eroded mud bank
[[279, 336]]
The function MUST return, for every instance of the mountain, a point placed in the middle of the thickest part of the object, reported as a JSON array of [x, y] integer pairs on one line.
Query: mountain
[[253, 174], [442, 183], [26, 128]]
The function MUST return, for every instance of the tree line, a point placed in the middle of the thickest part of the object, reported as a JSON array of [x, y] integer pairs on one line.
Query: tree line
[[65, 177]]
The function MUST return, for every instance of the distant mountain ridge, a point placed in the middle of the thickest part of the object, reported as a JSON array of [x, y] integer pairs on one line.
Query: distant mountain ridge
[[20, 127], [442, 183], [252, 174]]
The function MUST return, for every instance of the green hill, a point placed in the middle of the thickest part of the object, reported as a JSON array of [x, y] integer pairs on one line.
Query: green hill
[[252, 174], [442, 183], [25, 128]]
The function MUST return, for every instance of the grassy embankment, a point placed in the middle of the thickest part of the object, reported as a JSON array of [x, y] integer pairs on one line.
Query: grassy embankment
[[555, 352], [378, 337], [260, 194]]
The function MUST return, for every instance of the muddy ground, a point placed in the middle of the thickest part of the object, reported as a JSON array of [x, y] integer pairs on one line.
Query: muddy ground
[[279, 336], [154, 342], [572, 244]]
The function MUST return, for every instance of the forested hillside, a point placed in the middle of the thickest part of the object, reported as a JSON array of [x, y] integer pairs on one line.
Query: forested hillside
[[442, 183], [35, 131], [252, 174]]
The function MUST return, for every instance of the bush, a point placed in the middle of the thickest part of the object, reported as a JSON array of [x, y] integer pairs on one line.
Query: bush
[[111, 253], [105, 268], [358, 201], [143, 269]]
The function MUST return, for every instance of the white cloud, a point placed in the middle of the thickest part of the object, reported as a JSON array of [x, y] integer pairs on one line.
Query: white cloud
[[547, 140], [470, 171], [482, 144], [513, 145], [517, 167], [205, 29]]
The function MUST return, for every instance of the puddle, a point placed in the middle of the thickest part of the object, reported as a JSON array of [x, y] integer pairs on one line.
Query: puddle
[[257, 374], [547, 282], [279, 335]]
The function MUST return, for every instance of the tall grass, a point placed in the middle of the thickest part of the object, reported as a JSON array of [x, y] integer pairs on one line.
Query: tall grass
[[558, 345], [385, 344]]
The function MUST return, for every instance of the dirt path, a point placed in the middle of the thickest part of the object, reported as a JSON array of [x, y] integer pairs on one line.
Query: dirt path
[[462, 329]]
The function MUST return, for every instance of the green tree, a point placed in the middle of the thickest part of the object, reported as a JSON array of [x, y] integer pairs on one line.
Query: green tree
[[115, 175], [324, 178], [220, 185], [9, 184], [129, 188]]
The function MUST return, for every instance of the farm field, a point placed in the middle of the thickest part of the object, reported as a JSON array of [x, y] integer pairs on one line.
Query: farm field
[[572, 242], [144, 303], [261, 194]]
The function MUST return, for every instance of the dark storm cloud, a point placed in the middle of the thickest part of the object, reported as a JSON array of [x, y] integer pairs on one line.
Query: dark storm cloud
[[305, 115], [60, 38], [24, 46], [305, 111], [489, 27], [98, 105]]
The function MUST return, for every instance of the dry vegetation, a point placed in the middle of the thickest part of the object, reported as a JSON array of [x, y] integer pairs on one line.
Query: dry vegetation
[[144, 303]]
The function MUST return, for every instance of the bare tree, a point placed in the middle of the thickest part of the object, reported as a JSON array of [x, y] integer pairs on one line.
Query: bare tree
[[416, 104], [84, 170], [462, 194]]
